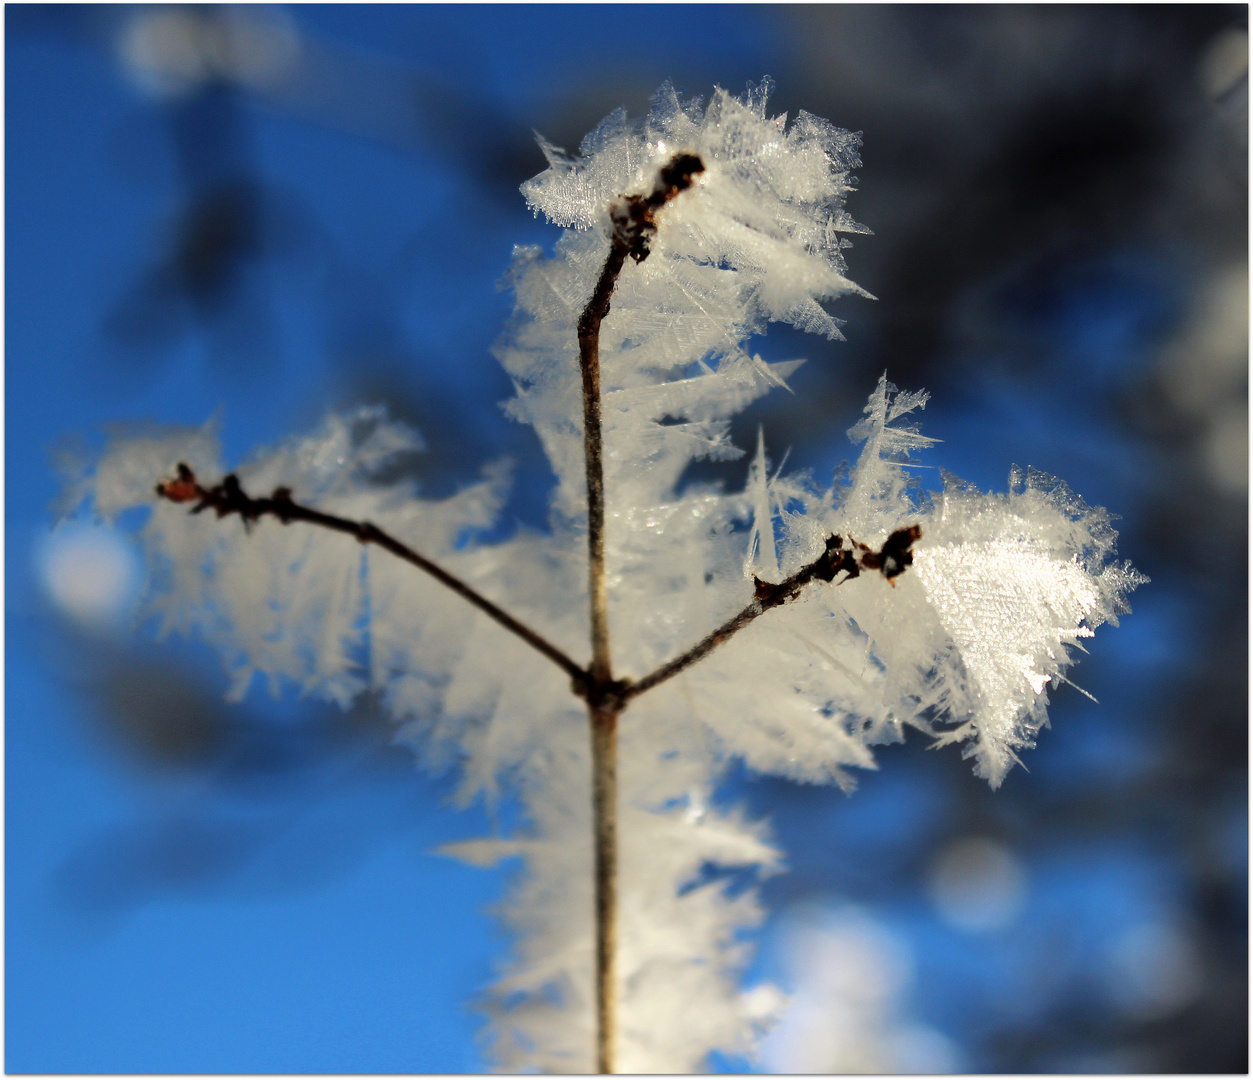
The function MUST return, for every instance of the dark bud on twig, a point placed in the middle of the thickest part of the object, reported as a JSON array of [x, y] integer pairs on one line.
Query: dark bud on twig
[[837, 559], [282, 502], [890, 560], [677, 175], [224, 498], [182, 489], [896, 553], [634, 218]]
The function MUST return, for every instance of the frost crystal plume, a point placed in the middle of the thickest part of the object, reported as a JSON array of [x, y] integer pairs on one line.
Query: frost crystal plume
[[963, 646]]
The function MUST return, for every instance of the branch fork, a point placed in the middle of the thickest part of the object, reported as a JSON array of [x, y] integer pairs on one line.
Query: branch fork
[[634, 225]]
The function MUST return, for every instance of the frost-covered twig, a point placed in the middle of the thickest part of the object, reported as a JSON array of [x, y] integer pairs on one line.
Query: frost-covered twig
[[634, 225], [229, 497], [628, 956], [890, 560]]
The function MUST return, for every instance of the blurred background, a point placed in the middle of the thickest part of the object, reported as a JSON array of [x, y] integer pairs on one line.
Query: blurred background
[[260, 213]]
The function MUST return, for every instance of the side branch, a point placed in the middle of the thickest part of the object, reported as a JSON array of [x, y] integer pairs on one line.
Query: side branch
[[634, 225], [890, 560], [229, 498]]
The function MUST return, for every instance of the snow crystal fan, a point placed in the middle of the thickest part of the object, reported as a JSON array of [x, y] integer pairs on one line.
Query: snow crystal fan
[[660, 632]]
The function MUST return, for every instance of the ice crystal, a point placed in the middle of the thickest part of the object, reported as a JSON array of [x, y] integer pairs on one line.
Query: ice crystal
[[962, 646]]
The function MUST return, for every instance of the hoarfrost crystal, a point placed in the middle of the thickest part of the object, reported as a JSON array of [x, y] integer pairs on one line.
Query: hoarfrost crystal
[[962, 646]]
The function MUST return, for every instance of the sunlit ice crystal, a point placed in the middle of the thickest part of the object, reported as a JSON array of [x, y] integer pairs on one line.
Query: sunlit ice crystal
[[963, 644]]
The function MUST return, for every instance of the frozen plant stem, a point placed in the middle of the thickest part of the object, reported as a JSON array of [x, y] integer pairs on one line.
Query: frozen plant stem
[[890, 560], [228, 498], [604, 723], [634, 224], [997, 591]]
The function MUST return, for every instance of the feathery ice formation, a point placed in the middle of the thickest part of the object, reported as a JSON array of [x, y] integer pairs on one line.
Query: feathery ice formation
[[963, 645]]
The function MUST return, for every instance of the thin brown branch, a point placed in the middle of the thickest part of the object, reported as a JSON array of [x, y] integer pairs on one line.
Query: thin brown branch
[[890, 560], [604, 725], [229, 498], [634, 225]]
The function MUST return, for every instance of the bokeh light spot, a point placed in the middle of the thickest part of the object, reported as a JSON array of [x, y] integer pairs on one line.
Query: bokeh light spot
[[91, 573], [978, 885]]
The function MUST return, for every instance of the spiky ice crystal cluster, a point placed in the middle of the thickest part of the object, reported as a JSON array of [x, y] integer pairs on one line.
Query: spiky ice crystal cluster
[[963, 646]]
